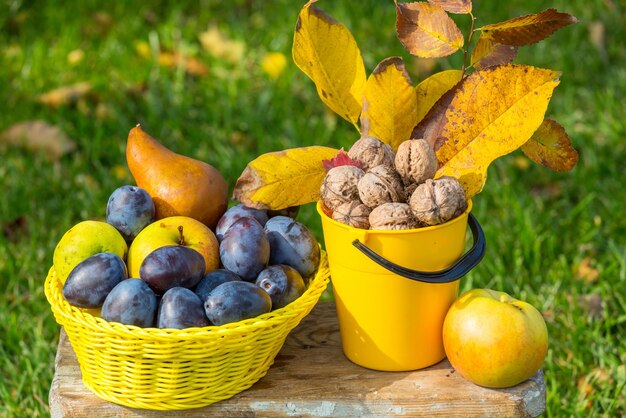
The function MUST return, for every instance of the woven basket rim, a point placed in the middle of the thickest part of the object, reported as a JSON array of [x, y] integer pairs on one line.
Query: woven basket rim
[[68, 314]]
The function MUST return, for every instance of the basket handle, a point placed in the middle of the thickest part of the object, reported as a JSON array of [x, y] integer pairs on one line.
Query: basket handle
[[460, 268]]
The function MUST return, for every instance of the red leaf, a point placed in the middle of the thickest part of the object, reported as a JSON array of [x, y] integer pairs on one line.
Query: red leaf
[[341, 158]]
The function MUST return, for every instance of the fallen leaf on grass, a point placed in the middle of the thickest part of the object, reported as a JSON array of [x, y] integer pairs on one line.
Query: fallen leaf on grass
[[593, 304], [192, 66], [597, 380], [15, 228], [586, 272], [597, 37], [64, 95], [75, 56], [220, 46], [38, 136]]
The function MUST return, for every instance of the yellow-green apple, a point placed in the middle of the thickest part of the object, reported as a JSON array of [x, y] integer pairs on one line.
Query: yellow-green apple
[[494, 340], [83, 240], [174, 230]]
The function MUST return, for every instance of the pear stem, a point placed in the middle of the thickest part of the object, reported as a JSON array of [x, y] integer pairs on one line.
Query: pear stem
[[181, 237]]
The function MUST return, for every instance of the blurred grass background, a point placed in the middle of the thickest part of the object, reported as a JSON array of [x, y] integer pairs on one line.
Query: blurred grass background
[[207, 79]]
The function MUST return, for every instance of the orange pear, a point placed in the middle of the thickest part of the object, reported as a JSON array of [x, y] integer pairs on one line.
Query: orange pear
[[179, 185]]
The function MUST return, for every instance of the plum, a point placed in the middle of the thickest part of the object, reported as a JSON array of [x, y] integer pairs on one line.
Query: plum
[[236, 300], [244, 249], [89, 283], [283, 283], [235, 213], [291, 243], [181, 308], [130, 209], [213, 279], [172, 266], [131, 302]]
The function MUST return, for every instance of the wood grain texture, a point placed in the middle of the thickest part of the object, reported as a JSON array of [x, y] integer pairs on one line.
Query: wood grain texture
[[311, 377]]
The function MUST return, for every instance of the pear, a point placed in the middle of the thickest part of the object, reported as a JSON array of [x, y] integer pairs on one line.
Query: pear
[[178, 185]]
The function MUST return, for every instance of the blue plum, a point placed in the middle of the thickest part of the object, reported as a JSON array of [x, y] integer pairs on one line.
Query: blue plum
[[172, 266], [283, 283], [181, 308], [291, 243], [245, 250], [235, 213], [234, 301], [89, 283], [130, 209], [131, 302], [213, 279]]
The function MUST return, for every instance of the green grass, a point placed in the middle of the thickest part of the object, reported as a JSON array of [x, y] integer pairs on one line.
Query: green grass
[[539, 224]]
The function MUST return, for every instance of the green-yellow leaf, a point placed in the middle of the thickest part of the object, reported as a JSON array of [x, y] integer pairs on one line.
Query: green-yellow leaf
[[551, 147], [325, 50], [490, 113], [426, 30], [278, 180], [526, 30], [389, 103], [431, 89]]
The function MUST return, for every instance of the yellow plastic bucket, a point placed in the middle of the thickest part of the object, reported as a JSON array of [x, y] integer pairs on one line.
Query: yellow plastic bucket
[[393, 288]]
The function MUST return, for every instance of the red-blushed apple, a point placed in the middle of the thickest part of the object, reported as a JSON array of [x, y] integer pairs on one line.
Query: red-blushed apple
[[167, 231], [494, 340]]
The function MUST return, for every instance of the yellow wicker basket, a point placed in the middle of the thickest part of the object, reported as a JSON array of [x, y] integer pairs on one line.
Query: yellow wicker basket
[[161, 369]]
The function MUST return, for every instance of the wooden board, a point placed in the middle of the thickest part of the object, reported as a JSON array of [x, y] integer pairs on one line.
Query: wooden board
[[311, 377]]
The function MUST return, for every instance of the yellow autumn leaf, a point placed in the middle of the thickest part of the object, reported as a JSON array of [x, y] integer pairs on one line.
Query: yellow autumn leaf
[[431, 89], [278, 180], [454, 6], [551, 147], [490, 113], [426, 30], [526, 30], [488, 53], [325, 50], [389, 103]]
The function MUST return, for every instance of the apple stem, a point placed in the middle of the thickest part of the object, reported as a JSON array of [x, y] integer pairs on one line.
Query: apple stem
[[181, 237]]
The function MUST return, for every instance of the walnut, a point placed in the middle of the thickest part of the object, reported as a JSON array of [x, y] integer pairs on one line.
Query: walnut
[[437, 201], [395, 216], [340, 186], [353, 213], [416, 161], [381, 185], [370, 152]]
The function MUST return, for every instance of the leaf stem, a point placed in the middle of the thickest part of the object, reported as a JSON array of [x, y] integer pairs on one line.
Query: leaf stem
[[181, 237], [467, 44]]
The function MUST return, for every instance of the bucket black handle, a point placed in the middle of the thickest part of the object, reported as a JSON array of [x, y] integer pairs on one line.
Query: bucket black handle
[[463, 265]]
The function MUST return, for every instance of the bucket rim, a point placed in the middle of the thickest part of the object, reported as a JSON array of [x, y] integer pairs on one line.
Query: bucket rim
[[335, 223]]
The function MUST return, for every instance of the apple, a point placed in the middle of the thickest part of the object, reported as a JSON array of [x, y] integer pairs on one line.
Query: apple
[[83, 240], [494, 340], [174, 230]]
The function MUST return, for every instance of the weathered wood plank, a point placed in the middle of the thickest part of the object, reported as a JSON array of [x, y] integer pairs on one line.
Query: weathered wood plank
[[311, 377]]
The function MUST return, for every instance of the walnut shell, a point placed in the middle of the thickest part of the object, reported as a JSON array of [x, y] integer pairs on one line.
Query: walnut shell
[[416, 161], [340, 186], [437, 201], [370, 152], [354, 213], [381, 185], [393, 216]]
